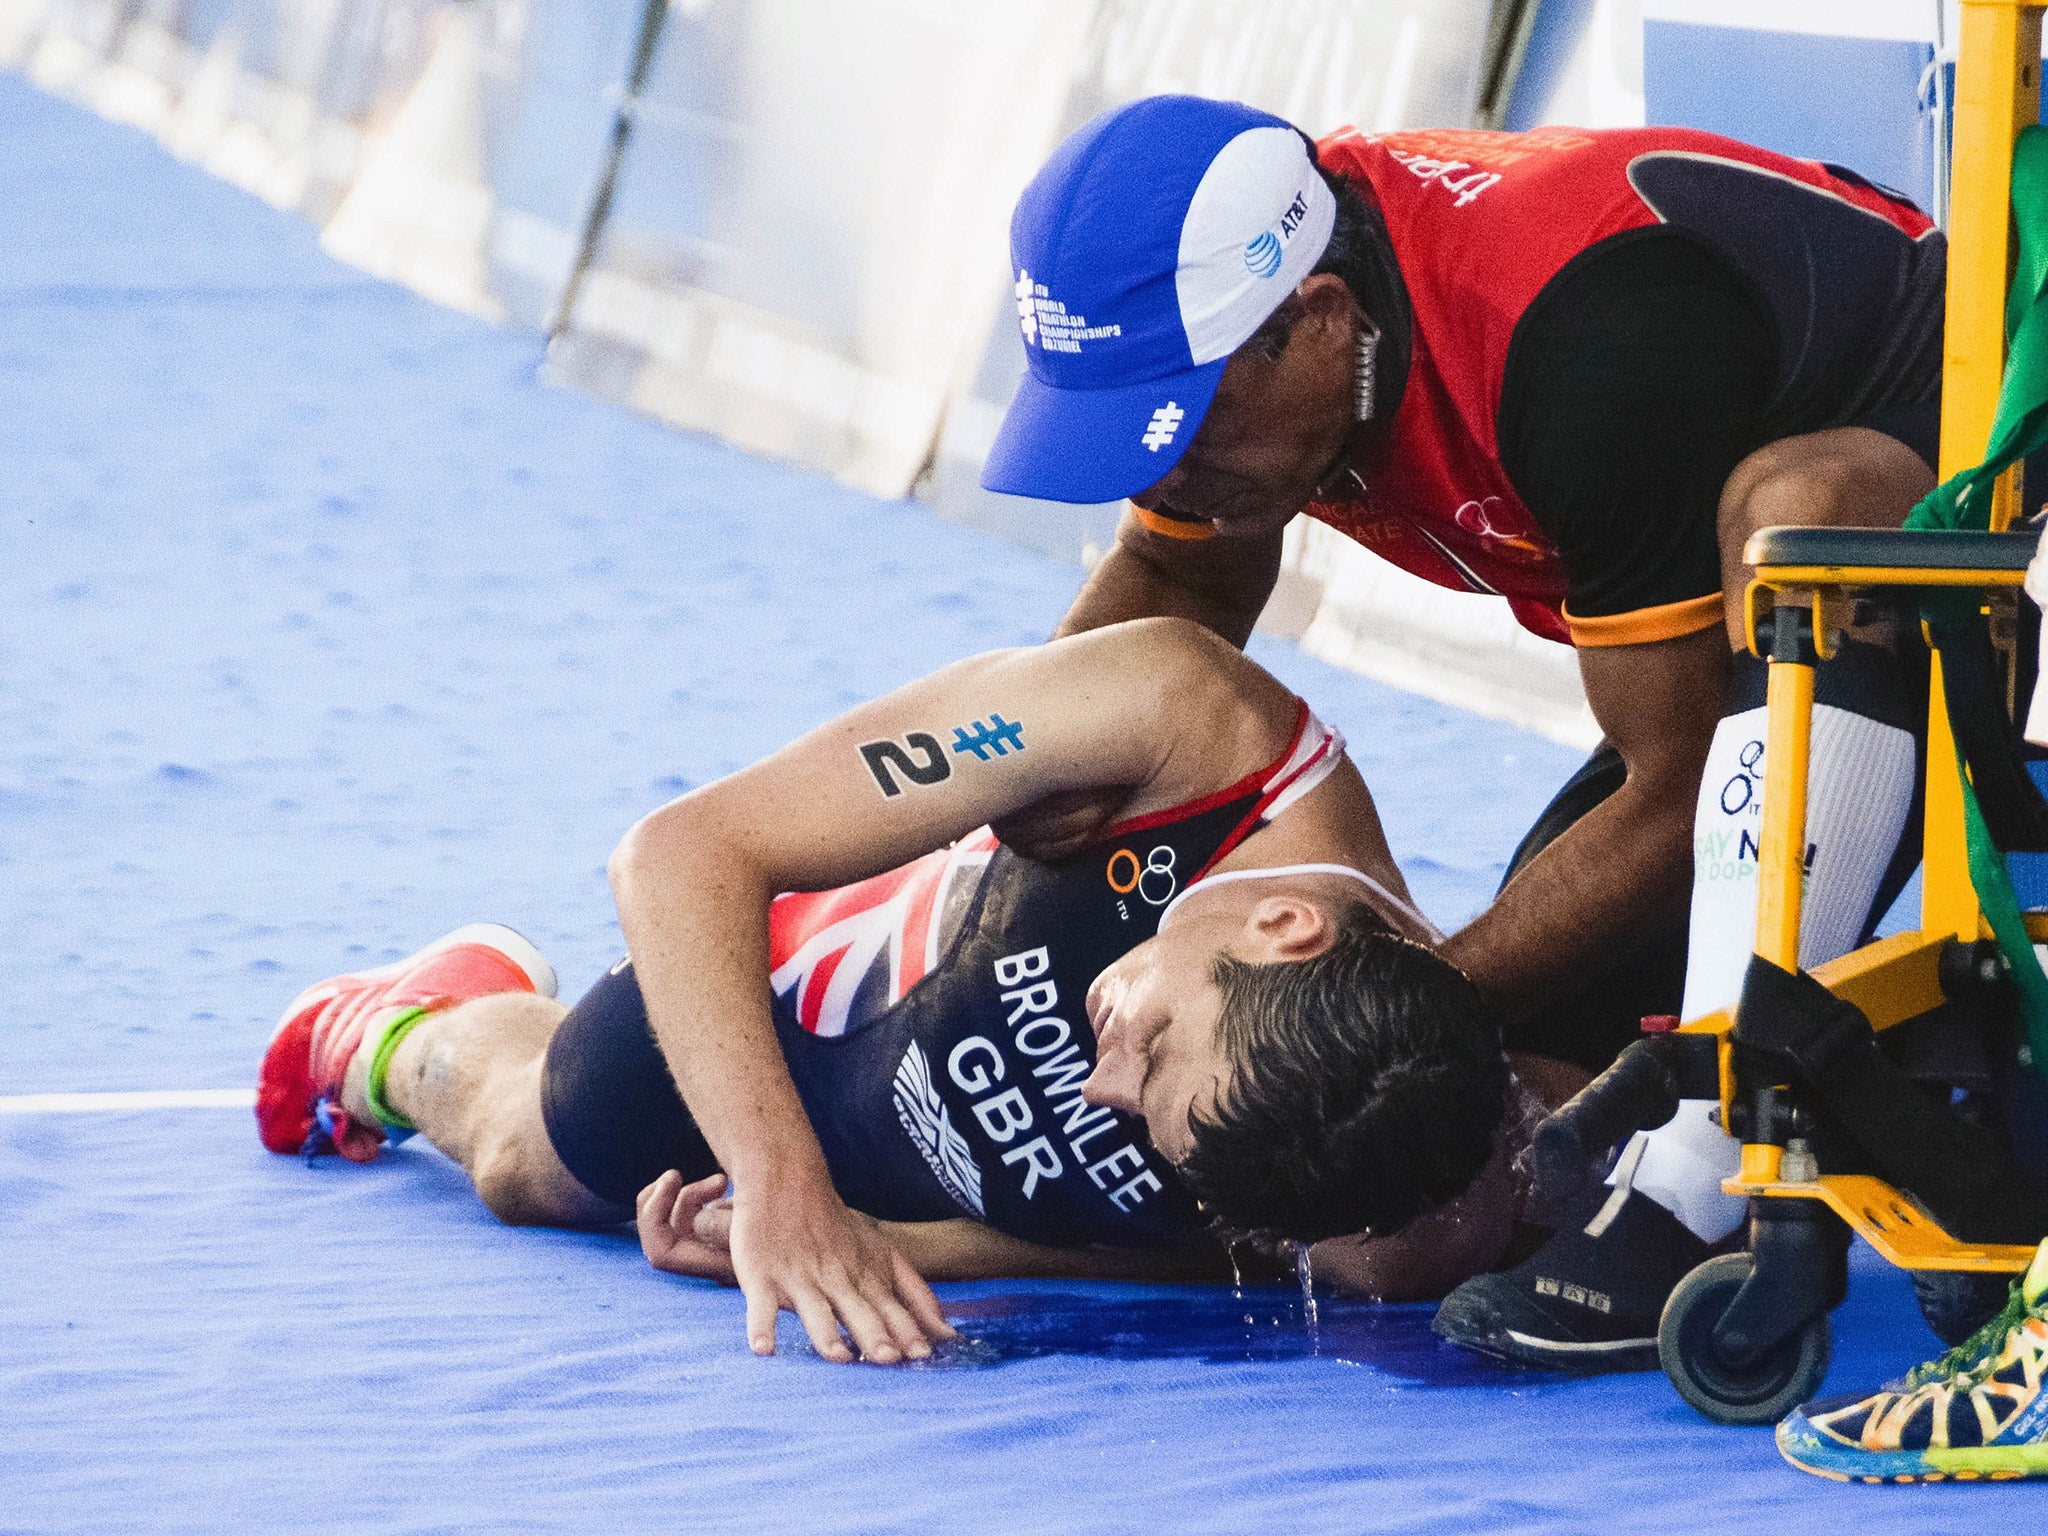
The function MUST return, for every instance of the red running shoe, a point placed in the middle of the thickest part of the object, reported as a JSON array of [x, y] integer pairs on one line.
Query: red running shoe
[[298, 1092]]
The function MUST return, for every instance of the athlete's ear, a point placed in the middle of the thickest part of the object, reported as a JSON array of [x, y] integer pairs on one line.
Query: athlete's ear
[[1284, 928]]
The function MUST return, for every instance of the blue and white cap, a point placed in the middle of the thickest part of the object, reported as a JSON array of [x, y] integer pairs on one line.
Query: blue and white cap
[[1150, 247]]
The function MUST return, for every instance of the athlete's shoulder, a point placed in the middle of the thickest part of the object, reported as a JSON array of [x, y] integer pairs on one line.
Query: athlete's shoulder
[[1211, 712], [1167, 648]]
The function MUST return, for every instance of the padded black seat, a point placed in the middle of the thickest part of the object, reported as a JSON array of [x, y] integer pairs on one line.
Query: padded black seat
[[1896, 548]]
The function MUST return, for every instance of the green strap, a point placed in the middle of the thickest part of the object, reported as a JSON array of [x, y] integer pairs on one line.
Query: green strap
[[2021, 424], [400, 1026], [2019, 428]]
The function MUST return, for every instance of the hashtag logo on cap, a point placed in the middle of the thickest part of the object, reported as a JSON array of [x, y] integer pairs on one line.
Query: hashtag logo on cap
[[1165, 422]]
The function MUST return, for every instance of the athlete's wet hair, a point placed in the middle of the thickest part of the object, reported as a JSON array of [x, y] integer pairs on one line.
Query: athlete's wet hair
[[1367, 1086], [1361, 253]]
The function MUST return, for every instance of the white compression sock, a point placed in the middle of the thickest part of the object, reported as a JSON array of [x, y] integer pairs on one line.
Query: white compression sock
[[1860, 780]]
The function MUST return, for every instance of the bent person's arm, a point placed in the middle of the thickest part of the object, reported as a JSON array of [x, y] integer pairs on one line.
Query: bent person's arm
[[686, 1229], [1218, 582], [968, 1250], [858, 797], [1630, 856]]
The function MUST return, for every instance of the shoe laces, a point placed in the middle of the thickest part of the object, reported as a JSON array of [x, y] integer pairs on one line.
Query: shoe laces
[[320, 1135], [1978, 1349]]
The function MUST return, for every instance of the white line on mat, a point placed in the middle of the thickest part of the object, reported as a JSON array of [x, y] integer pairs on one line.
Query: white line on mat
[[86, 1103]]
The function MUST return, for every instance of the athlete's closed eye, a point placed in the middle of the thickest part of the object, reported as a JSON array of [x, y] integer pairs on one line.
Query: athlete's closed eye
[[1148, 1068], [1150, 1050]]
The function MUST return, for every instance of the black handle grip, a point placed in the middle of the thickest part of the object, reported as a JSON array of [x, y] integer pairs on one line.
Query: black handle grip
[[1638, 1093]]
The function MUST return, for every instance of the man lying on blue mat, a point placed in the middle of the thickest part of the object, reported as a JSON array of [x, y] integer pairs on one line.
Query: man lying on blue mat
[[922, 1053]]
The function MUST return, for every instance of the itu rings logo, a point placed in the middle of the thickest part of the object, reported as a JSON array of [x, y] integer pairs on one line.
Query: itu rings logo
[[1155, 880], [1262, 254]]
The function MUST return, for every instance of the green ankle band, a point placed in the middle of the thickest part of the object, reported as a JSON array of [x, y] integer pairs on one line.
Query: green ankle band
[[400, 1026]]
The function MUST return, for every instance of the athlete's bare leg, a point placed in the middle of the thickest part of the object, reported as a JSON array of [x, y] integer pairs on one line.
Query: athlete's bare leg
[[470, 1079]]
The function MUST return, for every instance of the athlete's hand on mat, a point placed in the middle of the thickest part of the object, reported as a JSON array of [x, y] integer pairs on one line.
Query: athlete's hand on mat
[[796, 1246], [675, 1233]]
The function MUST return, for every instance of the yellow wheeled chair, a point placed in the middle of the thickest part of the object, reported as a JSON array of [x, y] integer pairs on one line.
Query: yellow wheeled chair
[[1744, 1338]]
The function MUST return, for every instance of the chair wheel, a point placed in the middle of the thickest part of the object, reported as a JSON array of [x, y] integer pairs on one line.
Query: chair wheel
[[1761, 1392]]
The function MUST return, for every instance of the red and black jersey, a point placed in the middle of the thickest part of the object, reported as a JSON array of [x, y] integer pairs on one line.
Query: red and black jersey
[[1485, 227]]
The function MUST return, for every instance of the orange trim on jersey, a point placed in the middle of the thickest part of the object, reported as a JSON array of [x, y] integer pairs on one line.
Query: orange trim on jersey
[[1667, 621], [1173, 527]]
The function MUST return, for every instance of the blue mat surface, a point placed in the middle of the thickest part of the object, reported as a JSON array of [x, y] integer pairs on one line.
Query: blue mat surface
[[325, 627]]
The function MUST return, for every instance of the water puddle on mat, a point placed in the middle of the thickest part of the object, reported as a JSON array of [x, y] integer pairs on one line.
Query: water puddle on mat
[[1215, 1325]]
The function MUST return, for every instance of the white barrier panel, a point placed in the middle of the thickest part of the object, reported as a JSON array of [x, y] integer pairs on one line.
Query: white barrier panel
[[819, 278], [808, 251], [1321, 64], [1851, 81], [1463, 648], [419, 210], [275, 96]]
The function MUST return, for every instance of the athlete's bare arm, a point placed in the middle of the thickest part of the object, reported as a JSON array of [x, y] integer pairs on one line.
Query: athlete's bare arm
[[968, 1250], [1628, 857], [1437, 1251], [1221, 583], [1159, 707], [686, 1229]]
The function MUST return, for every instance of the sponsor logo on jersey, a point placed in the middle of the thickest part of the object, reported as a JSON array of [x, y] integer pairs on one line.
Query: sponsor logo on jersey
[[928, 1123], [1155, 879], [1476, 517], [1454, 176]]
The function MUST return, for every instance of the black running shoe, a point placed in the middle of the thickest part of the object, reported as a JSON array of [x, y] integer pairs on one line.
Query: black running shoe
[[1588, 1299]]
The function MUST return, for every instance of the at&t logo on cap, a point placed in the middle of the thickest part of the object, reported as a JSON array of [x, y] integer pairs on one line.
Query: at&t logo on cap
[[1262, 254], [1266, 251]]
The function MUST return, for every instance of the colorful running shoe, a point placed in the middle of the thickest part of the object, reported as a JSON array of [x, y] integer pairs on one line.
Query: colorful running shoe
[[298, 1094], [1976, 1412]]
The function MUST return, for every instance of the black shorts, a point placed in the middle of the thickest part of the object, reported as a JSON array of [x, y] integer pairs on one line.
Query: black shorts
[[1601, 1014], [1917, 425], [611, 1109]]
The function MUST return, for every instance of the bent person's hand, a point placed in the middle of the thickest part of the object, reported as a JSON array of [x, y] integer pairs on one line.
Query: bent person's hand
[[667, 1215], [796, 1247]]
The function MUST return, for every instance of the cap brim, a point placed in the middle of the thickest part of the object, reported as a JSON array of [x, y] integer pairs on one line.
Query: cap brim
[[1091, 445]]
